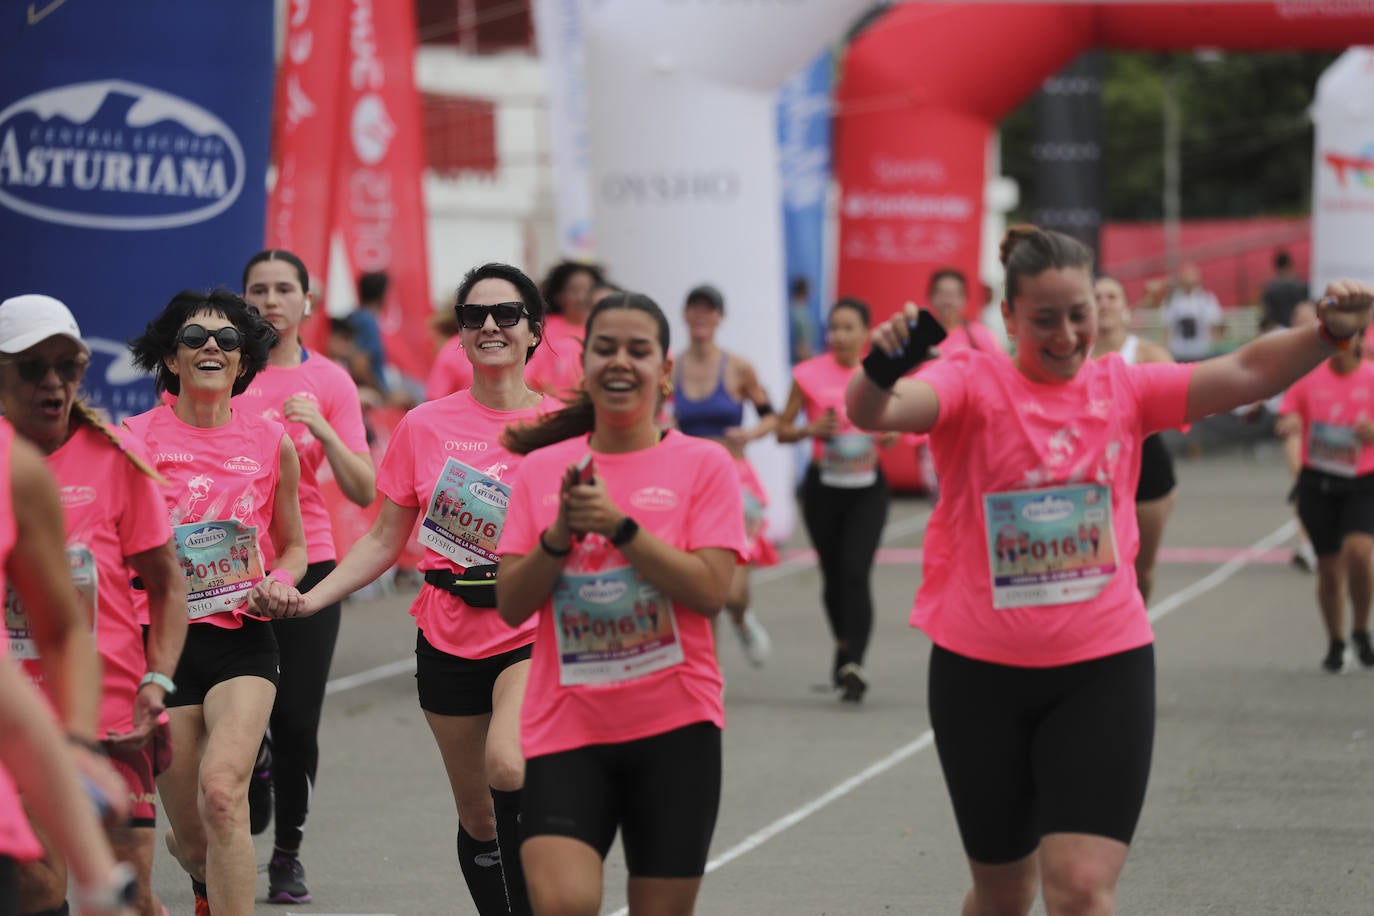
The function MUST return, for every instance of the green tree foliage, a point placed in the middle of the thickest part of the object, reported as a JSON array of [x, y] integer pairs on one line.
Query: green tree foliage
[[1246, 141]]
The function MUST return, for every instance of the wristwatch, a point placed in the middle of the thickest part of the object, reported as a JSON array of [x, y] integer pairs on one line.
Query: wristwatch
[[119, 890], [625, 532], [160, 679]]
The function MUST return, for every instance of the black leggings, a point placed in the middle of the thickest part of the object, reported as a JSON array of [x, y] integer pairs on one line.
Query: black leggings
[[9, 887], [307, 648], [845, 526]]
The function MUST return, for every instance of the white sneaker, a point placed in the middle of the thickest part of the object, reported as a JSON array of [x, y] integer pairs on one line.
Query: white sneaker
[[753, 639]]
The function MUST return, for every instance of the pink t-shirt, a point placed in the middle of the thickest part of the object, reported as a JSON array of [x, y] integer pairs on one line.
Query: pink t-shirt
[[112, 510], [973, 335], [327, 384], [556, 367], [16, 839], [1012, 572], [446, 459], [452, 370], [850, 457], [614, 660], [1331, 406], [221, 482]]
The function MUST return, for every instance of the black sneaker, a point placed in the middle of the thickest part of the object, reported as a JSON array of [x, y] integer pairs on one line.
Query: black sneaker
[[1363, 650], [260, 790], [1335, 657], [853, 683], [286, 880]]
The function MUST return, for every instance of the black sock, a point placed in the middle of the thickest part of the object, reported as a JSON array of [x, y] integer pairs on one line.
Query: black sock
[[480, 861], [507, 807]]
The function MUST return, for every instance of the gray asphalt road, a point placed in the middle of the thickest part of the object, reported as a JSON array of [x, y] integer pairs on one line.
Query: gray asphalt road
[[1259, 800]]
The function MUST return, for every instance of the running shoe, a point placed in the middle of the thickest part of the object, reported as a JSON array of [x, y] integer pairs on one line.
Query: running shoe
[[202, 898], [853, 683], [1304, 558], [1335, 657], [1363, 650], [753, 639], [286, 880], [260, 790]]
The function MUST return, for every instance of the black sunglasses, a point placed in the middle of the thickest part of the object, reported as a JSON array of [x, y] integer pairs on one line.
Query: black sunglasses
[[34, 371], [195, 337], [506, 314]]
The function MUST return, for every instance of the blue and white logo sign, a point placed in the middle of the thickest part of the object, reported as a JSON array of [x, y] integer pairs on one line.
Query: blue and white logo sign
[[116, 155]]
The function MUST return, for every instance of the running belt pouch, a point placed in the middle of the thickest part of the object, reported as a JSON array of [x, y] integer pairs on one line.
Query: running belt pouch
[[476, 585], [884, 370]]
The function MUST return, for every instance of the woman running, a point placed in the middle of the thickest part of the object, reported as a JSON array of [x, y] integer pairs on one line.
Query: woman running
[[471, 668], [620, 542], [317, 402], [1330, 412], [1154, 495], [844, 494], [710, 387], [1042, 686], [114, 521], [231, 481], [557, 369]]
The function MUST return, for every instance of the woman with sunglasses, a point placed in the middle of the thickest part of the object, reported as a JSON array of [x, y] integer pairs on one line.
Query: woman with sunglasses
[[620, 543], [115, 520], [317, 402], [231, 481], [446, 468]]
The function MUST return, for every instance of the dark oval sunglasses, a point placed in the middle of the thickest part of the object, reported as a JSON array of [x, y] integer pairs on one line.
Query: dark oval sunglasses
[[194, 336], [34, 371], [505, 314]]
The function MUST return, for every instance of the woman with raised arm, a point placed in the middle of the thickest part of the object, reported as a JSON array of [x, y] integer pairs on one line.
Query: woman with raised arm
[[230, 492], [620, 543], [1042, 672]]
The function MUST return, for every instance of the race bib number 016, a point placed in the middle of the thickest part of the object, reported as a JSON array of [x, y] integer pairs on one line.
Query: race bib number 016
[[612, 626], [466, 512], [222, 564], [1049, 546]]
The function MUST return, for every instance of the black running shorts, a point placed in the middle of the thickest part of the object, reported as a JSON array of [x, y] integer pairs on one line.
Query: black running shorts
[[213, 655], [1332, 507], [452, 686], [1156, 470]]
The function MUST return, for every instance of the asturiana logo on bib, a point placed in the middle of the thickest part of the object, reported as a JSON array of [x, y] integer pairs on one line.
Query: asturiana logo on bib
[[206, 537], [602, 591], [490, 495], [77, 496], [654, 498], [116, 155], [1047, 509], [242, 464]]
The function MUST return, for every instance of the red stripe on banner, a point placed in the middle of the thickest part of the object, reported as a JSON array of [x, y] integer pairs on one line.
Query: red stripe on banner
[[1211, 556], [300, 208], [381, 214]]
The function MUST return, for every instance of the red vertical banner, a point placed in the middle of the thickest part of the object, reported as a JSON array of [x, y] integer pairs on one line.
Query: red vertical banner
[[306, 121], [379, 211]]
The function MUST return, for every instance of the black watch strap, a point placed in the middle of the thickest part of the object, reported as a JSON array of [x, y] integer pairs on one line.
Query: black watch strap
[[624, 532]]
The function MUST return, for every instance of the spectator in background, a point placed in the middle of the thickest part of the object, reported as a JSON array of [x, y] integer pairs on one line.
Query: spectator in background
[[1192, 317], [1281, 294], [366, 322], [342, 348], [800, 322]]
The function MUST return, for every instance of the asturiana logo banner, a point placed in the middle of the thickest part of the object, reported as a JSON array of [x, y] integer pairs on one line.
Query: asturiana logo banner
[[117, 155]]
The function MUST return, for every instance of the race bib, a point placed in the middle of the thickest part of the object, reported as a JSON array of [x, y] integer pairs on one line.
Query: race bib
[[222, 563], [612, 626], [1333, 449], [81, 564], [849, 460], [753, 515], [466, 512], [1050, 546]]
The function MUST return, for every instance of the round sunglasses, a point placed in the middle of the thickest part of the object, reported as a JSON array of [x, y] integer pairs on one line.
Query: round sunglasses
[[194, 336], [34, 371], [505, 314]]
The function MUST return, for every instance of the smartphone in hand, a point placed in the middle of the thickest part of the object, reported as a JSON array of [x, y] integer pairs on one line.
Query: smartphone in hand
[[586, 469]]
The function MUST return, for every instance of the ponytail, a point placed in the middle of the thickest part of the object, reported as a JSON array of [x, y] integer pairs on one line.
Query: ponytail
[[577, 419], [84, 413]]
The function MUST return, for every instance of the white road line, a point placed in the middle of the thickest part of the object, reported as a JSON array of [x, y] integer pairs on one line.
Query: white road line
[[927, 738], [912, 524]]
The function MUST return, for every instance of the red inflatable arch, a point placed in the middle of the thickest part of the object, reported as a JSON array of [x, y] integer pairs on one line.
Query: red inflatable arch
[[922, 90]]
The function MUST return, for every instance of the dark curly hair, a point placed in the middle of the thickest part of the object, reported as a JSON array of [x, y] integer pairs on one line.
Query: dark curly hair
[[529, 294], [558, 277], [159, 338]]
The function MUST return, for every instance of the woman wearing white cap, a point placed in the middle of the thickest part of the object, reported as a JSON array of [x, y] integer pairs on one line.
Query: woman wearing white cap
[[114, 520]]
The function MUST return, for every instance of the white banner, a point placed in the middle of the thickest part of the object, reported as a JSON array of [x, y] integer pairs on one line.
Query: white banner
[[1343, 166], [684, 165], [558, 25]]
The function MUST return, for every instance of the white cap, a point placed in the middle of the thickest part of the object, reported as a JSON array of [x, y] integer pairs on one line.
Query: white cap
[[33, 318]]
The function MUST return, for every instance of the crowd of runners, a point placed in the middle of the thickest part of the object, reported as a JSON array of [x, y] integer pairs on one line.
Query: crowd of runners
[[579, 492]]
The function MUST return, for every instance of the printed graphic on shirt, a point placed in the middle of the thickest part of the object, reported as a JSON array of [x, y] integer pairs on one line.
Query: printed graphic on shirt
[[849, 460], [1333, 448], [466, 512], [612, 626], [81, 564], [1049, 546], [221, 562]]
